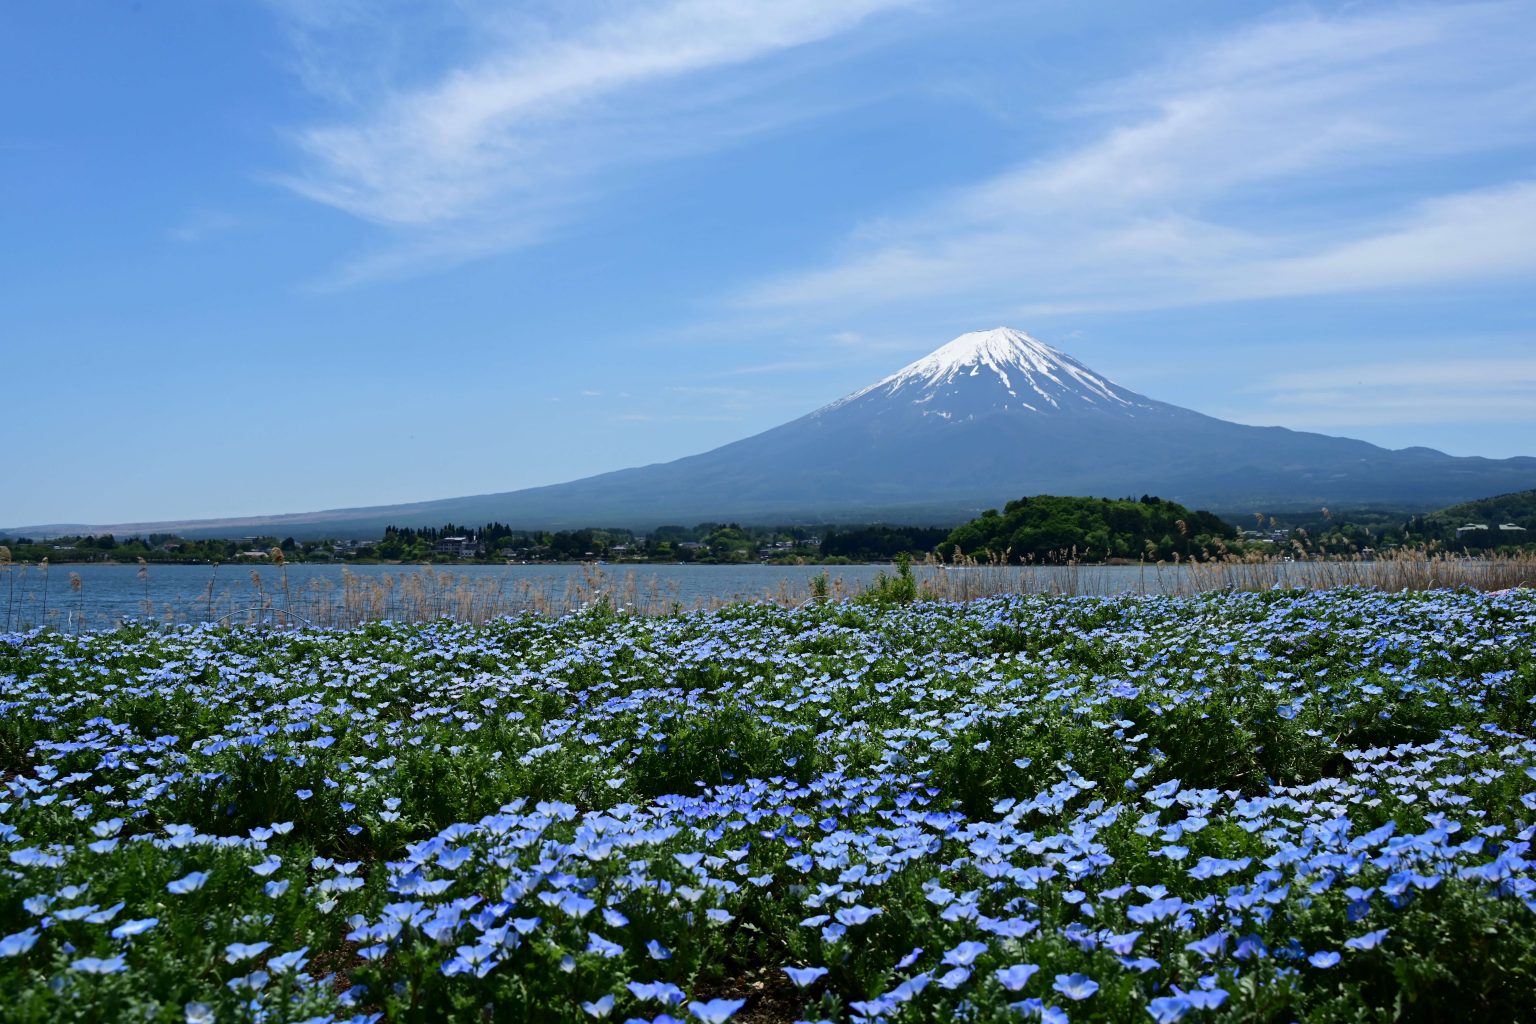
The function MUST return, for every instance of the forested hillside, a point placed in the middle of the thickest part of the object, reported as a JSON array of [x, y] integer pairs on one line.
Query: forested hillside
[[1047, 528]]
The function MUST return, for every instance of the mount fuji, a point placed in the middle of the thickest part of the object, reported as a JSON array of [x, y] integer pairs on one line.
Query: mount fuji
[[990, 416]]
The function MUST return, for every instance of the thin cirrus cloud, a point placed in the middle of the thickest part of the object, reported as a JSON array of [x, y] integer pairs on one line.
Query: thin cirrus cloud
[[482, 158], [1450, 390], [1217, 177]]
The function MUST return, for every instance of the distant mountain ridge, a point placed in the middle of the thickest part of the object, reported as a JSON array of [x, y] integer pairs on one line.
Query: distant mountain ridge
[[988, 417]]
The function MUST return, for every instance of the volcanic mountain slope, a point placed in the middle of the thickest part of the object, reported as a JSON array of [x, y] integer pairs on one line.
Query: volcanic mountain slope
[[997, 414], [992, 415]]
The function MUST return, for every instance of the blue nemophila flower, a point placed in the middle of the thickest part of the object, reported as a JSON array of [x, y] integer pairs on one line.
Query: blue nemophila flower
[[1250, 947], [1370, 940], [38, 905], [97, 965], [18, 943], [954, 977], [199, 1013], [1075, 986], [1169, 1009], [657, 950], [660, 991], [965, 954], [187, 883], [478, 959], [576, 905], [1206, 998], [603, 947], [1016, 977], [107, 827], [254, 982], [31, 857], [911, 987], [1209, 947], [1156, 910], [873, 1009], [129, 929], [804, 976], [1122, 944], [716, 1011], [1011, 928], [266, 867], [1323, 958], [237, 951], [293, 961], [276, 889], [75, 913], [855, 915], [1029, 1009], [599, 1008]]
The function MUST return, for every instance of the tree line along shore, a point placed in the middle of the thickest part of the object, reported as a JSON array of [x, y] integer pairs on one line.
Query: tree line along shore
[[1044, 529]]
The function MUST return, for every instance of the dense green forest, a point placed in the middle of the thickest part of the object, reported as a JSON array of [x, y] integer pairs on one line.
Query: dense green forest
[[1047, 528]]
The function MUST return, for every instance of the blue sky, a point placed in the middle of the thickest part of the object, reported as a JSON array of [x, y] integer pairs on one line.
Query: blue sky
[[271, 257]]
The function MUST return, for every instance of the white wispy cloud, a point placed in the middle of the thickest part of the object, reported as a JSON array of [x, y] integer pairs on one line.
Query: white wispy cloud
[[1468, 236], [1279, 160], [1469, 389], [485, 156]]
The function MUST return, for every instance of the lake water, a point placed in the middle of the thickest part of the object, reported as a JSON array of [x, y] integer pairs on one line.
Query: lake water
[[323, 594]]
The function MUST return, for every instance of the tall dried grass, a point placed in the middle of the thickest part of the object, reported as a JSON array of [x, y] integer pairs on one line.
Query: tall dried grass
[[426, 593]]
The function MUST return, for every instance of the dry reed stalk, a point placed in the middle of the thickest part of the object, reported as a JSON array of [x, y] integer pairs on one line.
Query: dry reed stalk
[[10, 580], [42, 566], [427, 593]]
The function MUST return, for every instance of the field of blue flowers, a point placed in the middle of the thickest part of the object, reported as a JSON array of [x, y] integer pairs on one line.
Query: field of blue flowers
[[1258, 807]]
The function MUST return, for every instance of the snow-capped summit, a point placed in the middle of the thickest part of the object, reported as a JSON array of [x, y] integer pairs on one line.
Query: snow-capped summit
[[990, 416], [995, 371]]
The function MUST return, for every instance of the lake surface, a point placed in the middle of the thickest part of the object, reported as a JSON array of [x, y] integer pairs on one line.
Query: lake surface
[[329, 594]]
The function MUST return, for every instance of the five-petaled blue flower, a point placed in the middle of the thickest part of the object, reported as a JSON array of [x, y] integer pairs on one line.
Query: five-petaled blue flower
[[187, 883], [803, 976], [716, 1011], [1016, 977], [1075, 985]]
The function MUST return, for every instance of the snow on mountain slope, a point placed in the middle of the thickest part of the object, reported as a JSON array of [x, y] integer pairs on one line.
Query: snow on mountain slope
[[996, 371]]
